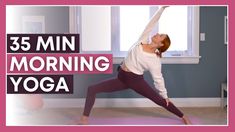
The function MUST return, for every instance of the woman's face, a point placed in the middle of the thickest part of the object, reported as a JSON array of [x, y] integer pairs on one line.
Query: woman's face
[[158, 38]]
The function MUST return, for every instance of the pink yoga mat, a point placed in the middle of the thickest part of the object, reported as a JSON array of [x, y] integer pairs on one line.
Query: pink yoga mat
[[139, 121]]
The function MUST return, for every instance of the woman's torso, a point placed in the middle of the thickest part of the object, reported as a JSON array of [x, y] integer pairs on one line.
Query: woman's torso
[[138, 61]]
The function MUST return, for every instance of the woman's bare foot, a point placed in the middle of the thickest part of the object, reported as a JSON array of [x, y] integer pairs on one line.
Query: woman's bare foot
[[186, 120], [83, 120]]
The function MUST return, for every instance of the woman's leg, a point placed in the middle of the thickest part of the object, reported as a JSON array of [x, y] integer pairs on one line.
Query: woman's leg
[[105, 86], [142, 87], [110, 85]]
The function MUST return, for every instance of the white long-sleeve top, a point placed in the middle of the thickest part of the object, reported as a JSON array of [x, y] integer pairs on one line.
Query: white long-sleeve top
[[138, 61]]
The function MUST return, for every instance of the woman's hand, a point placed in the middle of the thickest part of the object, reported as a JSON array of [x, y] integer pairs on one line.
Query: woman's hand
[[164, 7], [167, 101]]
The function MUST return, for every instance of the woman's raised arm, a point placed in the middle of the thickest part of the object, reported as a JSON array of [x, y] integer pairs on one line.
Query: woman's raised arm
[[153, 21]]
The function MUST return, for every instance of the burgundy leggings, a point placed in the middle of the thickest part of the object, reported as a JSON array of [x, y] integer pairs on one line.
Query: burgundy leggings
[[124, 81]]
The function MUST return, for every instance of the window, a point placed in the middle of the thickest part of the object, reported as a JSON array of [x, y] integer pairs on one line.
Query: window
[[131, 24], [176, 22], [119, 27]]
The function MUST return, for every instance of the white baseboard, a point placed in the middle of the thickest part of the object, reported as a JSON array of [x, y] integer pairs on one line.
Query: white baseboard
[[133, 102]]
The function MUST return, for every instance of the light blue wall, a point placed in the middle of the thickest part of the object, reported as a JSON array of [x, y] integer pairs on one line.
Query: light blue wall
[[200, 80]]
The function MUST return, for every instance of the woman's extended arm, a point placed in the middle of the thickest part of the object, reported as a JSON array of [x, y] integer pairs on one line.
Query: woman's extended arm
[[144, 36], [155, 70]]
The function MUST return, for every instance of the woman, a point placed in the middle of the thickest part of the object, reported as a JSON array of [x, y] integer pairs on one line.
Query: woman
[[143, 56]]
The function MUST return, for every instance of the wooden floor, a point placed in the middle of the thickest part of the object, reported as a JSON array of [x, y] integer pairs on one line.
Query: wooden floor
[[120, 116]]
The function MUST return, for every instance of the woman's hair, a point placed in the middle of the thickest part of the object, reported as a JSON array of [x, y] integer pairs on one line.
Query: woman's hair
[[166, 44]]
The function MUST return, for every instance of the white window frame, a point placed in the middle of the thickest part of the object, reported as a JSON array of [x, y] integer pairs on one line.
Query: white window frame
[[193, 59]]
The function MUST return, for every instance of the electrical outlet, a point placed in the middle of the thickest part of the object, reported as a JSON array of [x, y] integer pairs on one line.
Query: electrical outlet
[[202, 36]]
